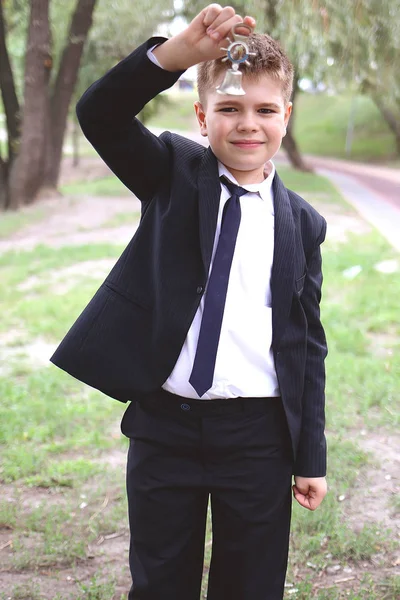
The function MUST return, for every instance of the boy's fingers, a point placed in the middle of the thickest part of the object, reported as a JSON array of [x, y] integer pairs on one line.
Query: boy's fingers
[[310, 500], [224, 15], [225, 28], [302, 499], [244, 30], [210, 13], [250, 21]]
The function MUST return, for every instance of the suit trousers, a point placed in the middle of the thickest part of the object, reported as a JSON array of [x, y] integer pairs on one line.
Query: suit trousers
[[178, 458]]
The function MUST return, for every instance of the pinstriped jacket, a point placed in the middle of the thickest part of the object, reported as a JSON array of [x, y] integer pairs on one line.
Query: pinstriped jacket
[[128, 338]]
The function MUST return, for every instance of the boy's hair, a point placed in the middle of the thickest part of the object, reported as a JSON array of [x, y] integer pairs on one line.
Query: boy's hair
[[270, 60]]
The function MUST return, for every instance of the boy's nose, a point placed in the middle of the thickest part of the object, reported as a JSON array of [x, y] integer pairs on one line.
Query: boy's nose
[[247, 123]]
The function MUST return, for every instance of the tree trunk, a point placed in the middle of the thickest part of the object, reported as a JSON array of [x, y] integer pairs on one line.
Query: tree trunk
[[9, 95], [64, 87], [75, 143], [289, 143], [27, 171], [3, 185], [11, 108], [392, 119], [293, 154]]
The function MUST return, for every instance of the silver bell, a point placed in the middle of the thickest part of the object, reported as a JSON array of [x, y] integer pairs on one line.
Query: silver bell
[[237, 52], [232, 83]]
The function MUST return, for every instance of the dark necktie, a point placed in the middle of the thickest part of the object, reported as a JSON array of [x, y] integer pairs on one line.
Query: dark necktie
[[202, 374]]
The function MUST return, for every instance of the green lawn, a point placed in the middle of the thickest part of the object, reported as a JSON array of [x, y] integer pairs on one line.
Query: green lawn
[[321, 123], [56, 435]]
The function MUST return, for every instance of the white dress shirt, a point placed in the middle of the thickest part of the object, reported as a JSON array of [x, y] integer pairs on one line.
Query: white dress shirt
[[244, 364]]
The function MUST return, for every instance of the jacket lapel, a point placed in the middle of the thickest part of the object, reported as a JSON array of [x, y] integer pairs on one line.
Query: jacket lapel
[[282, 277], [209, 197]]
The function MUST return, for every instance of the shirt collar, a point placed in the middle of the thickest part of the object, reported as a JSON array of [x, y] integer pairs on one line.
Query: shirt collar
[[263, 188]]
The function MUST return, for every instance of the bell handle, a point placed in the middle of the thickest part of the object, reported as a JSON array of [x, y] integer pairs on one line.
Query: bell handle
[[238, 36]]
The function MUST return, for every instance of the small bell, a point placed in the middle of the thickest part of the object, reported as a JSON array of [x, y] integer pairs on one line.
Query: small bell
[[238, 53], [232, 83]]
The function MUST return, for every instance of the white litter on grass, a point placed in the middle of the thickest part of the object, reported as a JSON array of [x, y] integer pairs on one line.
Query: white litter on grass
[[333, 569], [388, 266], [347, 570], [352, 272], [36, 354]]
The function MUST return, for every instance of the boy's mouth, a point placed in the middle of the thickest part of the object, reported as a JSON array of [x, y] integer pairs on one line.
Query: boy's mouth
[[247, 143]]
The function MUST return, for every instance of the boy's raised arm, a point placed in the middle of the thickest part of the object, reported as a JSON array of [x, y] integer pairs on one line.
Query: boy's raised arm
[[202, 39], [106, 111]]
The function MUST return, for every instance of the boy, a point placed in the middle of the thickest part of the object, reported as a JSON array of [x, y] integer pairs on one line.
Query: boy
[[209, 322]]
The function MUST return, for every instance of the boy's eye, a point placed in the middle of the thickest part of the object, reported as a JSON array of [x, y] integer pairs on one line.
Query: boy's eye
[[231, 109]]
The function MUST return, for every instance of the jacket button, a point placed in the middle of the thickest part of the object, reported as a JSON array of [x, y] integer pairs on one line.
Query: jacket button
[[200, 289]]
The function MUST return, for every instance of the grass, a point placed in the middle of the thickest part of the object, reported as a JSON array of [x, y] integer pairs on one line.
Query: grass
[[96, 590], [10, 222], [63, 497], [107, 186], [42, 312], [368, 589], [321, 126], [121, 219]]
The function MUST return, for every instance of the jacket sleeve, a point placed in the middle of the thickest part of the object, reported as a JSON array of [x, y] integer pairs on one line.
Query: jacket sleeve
[[107, 115], [311, 455]]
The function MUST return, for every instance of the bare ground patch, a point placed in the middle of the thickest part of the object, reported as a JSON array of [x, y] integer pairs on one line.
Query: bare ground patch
[[61, 281], [372, 500], [341, 222], [71, 222], [96, 545]]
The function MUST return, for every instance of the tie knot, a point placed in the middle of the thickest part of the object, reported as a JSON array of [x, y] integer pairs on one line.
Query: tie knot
[[235, 190]]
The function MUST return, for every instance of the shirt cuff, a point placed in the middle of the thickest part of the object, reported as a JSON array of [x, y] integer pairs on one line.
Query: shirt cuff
[[153, 59]]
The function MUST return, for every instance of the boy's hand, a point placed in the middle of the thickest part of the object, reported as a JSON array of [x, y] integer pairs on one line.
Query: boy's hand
[[309, 491], [202, 39]]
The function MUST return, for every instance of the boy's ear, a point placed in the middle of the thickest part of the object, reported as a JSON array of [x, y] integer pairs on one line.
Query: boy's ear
[[201, 118], [288, 112]]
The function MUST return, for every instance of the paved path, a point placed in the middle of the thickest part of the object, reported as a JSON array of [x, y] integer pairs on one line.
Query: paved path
[[373, 190]]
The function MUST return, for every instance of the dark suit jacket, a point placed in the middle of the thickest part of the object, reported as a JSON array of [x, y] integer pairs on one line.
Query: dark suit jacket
[[128, 338]]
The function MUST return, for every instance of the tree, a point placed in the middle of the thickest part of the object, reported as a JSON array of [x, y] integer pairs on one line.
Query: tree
[[360, 36], [363, 38], [35, 149], [64, 87], [51, 78], [12, 110], [27, 169]]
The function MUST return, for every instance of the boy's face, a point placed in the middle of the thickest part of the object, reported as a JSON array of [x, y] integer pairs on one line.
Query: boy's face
[[245, 131]]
